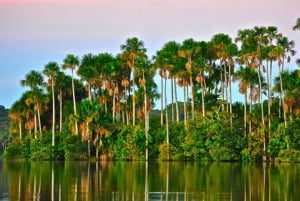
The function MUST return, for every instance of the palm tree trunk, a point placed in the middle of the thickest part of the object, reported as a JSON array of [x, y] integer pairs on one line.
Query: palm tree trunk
[[53, 115], [270, 99], [133, 96], [166, 111], [35, 125], [202, 98], [60, 110], [40, 125], [262, 110], [222, 89], [192, 97], [281, 92], [114, 107], [184, 105], [176, 101], [162, 102], [74, 105], [230, 96], [250, 121], [172, 97], [146, 118], [245, 113]]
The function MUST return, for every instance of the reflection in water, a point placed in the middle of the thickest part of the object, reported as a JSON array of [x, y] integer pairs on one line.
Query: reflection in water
[[126, 181]]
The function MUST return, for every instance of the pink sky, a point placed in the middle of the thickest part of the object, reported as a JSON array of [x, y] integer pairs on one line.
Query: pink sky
[[34, 32]]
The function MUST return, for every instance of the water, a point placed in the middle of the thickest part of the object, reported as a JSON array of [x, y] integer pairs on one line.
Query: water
[[153, 181]]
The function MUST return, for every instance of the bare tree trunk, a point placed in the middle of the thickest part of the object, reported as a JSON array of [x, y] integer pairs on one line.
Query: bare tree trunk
[[74, 105], [166, 111], [176, 101], [60, 110], [281, 92], [184, 105], [53, 116], [245, 113], [133, 96], [162, 102], [172, 97], [202, 98], [40, 125], [192, 97], [230, 95]]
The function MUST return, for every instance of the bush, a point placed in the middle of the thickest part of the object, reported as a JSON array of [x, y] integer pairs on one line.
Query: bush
[[75, 148], [168, 152], [17, 150]]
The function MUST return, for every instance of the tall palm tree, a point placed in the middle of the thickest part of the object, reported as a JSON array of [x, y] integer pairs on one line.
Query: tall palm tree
[[71, 62], [167, 59], [287, 47], [248, 79], [16, 116], [252, 42], [189, 50], [103, 63], [133, 49], [87, 112], [34, 80], [51, 70], [226, 50], [220, 42], [88, 73], [146, 86], [63, 89]]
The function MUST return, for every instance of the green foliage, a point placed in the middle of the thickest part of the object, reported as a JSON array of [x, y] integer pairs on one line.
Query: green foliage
[[129, 144], [39, 150], [285, 142], [253, 150], [18, 150], [75, 148], [167, 152]]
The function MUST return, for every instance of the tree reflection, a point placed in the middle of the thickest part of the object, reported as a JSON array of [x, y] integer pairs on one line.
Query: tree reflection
[[148, 181]]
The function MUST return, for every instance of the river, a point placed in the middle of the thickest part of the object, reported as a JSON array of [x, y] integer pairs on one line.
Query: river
[[152, 181]]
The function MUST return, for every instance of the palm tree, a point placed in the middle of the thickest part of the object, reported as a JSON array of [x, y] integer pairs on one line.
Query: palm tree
[[16, 117], [71, 62], [34, 80], [297, 25], [88, 73], [133, 49], [62, 86], [103, 63], [167, 59], [146, 84], [165, 62], [225, 51], [246, 77], [288, 51], [189, 50], [87, 112], [51, 70], [252, 42]]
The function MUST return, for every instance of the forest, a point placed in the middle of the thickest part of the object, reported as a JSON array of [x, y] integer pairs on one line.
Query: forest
[[113, 107]]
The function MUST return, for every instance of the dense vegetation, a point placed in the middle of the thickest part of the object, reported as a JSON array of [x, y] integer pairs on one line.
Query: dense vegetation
[[106, 111]]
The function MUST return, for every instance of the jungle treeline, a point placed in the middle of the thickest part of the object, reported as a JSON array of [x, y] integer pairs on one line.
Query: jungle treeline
[[101, 106]]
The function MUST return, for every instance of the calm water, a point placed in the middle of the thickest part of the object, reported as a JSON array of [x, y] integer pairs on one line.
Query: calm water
[[141, 181]]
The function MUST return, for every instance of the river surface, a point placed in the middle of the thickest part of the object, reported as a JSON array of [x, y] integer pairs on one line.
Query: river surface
[[152, 181]]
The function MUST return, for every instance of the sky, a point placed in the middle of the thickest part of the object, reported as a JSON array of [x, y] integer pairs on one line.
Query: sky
[[35, 32]]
